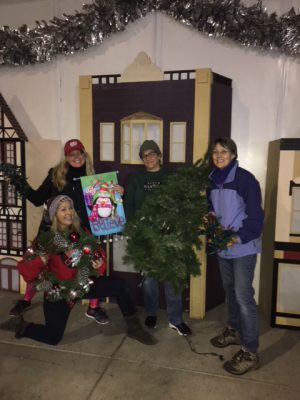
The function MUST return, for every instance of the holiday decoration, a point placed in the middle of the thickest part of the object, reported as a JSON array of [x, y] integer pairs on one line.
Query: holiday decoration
[[29, 251], [86, 250], [249, 26], [218, 238], [165, 231], [75, 255], [74, 237], [15, 176], [104, 205]]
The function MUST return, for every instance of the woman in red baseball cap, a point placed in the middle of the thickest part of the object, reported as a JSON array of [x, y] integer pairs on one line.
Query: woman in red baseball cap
[[63, 179], [73, 145]]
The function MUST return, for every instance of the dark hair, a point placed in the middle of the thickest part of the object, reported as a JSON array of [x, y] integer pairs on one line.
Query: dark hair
[[227, 143], [149, 145]]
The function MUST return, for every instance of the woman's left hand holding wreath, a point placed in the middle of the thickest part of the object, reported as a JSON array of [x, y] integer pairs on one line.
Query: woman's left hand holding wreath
[[96, 264]]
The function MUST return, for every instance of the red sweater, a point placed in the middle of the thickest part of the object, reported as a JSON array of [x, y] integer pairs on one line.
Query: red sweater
[[30, 269]]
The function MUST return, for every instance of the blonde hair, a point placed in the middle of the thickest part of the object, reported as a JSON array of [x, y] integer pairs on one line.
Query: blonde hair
[[75, 227], [60, 171]]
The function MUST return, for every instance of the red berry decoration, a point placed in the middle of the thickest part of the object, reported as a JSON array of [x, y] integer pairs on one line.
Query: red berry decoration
[[87, 250], [74, 237]]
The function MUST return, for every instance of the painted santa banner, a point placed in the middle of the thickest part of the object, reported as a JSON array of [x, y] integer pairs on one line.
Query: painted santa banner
[[104, 205]]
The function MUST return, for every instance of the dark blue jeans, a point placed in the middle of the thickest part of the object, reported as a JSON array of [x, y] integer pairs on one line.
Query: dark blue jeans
[[237, 276], [173, 300]]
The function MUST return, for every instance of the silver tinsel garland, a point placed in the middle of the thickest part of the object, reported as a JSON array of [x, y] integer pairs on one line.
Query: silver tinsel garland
[[249, 26]]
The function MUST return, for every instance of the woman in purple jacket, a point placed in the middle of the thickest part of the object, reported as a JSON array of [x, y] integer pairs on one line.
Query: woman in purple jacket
[[235, 199]]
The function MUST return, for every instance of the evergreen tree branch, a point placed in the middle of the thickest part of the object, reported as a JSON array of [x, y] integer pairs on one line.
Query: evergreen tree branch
[[164, 234]]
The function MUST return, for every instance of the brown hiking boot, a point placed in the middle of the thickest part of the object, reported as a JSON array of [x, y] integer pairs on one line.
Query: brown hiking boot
[[243, 361], [228, 336]]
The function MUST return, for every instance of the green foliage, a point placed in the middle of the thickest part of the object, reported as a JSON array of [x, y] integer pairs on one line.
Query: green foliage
[[60, 242], [165, 231], [218, 238], [77, 251], [15, 176]]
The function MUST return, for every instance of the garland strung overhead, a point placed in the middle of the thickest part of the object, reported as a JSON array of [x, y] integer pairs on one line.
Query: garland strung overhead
[[249, 26]]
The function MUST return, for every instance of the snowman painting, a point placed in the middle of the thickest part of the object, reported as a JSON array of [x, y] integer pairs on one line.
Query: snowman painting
[[103, 203]]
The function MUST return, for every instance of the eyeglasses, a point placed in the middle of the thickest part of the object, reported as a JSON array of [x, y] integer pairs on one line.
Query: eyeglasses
[[220, 153], [151, 154]]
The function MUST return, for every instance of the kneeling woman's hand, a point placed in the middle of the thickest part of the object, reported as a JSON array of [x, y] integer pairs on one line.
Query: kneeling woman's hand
[[97, 264], [45, 258]]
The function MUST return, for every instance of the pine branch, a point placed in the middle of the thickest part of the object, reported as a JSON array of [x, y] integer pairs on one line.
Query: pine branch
[[78, 251], [15, 176], [218, 238], [164, 234]]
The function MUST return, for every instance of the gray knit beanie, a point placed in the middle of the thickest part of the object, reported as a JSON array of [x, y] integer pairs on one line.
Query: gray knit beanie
[[149, 145], [55, 202]]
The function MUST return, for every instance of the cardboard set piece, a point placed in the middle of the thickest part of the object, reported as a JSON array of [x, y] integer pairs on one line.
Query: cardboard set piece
[[279, 295], [19, 219], [181, 110]]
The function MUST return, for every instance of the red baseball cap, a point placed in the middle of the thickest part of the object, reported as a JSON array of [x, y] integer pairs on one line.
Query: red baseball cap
[[72, 145]]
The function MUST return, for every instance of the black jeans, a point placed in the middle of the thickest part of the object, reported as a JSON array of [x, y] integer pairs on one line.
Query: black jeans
[[57, 314]]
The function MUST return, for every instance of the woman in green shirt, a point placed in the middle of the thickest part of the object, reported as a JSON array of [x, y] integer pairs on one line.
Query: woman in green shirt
[[141, 185]]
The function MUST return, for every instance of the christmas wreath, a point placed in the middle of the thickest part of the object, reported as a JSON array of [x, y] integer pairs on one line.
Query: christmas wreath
[[166, 230], [164, 234], [78, 251], [217, 237], [15, 175]]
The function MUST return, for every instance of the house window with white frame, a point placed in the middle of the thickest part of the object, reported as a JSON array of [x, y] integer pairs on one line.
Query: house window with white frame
[[134, 130], [10, 153], [295, 212], [177, 142], [11, 196], [3, 234], [1, 192], [107, 141], [16, 235]]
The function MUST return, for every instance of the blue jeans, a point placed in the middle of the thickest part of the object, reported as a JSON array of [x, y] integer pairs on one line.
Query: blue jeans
[[237, 277], [173, 300]]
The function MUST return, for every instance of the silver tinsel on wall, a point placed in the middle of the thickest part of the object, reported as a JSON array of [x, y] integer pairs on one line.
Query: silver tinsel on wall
[[249, 26]]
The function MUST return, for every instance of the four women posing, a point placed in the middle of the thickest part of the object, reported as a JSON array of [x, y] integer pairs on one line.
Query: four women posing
[[234, 198]]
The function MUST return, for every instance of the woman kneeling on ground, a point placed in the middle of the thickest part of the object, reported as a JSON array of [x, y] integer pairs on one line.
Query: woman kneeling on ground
[[63, 277]]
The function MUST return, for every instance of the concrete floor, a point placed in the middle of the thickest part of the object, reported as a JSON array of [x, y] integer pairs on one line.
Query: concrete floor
[[97, 362]]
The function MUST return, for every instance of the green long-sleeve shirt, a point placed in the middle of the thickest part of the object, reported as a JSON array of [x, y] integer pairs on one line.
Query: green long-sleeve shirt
[[139, 187]]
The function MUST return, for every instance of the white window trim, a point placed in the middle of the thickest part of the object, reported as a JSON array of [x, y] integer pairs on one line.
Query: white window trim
[[141, 121], [295, 208], [172, 142], [102, 143]]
